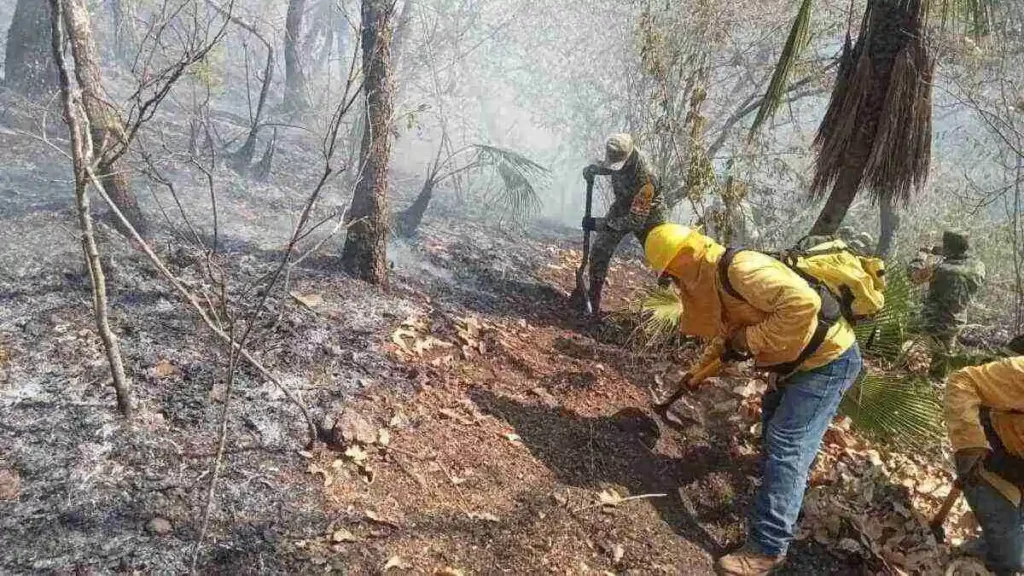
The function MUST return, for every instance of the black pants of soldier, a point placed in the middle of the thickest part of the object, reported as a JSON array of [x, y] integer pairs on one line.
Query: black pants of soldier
[[605, 245]]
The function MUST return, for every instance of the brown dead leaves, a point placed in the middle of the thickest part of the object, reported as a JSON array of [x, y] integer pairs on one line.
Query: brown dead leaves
[[879, 505], [413, 338], [861, 501], [360, 442], [439, 343]]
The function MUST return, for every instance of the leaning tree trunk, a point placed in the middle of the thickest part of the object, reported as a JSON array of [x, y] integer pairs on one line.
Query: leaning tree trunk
[[889, 217], [81, 151], [876, 132], [839, 200], [29, 59], [409, 220], [365, 253], [243, 157], [295, 90], [104, 126]]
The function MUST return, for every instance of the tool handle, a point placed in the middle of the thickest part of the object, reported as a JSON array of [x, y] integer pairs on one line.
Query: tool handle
[[702, 374], [587, 213], [581, 272], [947, 505]]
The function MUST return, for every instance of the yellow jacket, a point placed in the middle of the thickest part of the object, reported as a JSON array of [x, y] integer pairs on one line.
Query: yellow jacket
[[779, 310], [998, 386]]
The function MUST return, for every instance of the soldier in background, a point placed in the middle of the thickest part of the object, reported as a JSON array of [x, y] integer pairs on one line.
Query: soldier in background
[[638, 206], [953, 282]]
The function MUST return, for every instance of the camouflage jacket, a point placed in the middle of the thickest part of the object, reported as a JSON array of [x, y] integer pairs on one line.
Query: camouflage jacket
[[638, 203], [954, 282]]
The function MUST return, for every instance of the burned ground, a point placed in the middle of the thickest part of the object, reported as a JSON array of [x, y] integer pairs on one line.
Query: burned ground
[[508, 435]]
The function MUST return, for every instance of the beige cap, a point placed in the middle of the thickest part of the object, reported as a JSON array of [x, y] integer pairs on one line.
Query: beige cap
[[617, 149]]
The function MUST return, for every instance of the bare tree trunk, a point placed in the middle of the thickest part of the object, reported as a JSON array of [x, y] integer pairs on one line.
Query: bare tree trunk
[[28, 62], [365, 253], [123, 12], [81, 155], [409, 220], [295, 90], [1018, 265], [243, 157], [889, 218], [400, 45], [104, 126], [839, 201]]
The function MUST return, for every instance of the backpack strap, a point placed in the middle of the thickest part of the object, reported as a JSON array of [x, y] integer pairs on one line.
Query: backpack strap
[[723, 272], [999, 460], [817, 339]]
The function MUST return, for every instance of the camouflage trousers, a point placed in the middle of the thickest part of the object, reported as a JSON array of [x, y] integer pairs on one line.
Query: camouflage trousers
[[943, 340], [601, 253]]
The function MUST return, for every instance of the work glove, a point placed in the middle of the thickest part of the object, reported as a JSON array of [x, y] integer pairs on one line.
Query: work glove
[[594, 224], [589, 172], [968, 462], [736, 349]]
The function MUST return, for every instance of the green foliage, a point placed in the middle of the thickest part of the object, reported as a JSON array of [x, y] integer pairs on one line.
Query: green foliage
[[884, 335], [653, 313], [799, 35], [205, 71], [905, 412]]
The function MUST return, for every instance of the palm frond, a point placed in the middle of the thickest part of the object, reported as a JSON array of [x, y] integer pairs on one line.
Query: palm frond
[[651, 316], [519, 175], [799, 36], [662, 310], [847, 59], [901, 150], [883, 336], [905, 412], [835, 139]]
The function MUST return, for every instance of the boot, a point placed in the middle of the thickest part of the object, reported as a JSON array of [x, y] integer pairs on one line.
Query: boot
[[748, 561]]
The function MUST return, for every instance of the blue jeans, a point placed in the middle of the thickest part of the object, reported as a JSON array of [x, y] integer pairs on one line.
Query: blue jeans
[[1002, 524], [794, 419]]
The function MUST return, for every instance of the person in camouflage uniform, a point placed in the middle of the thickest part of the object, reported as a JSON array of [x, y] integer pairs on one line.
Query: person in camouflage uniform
[[952, 284], [638, 206]]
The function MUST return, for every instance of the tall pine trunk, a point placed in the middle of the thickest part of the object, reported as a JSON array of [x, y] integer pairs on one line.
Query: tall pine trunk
[[295, 90], [365, 253], [104, 126], [28, 62]]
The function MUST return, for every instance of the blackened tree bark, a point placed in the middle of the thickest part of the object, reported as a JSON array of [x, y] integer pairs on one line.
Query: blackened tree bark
[[365, 253], [104, 125], [29, 59], [295, 90]]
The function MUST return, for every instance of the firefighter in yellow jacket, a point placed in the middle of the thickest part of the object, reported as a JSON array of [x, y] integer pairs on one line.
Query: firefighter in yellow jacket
[[764, 308], [985, 416]]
